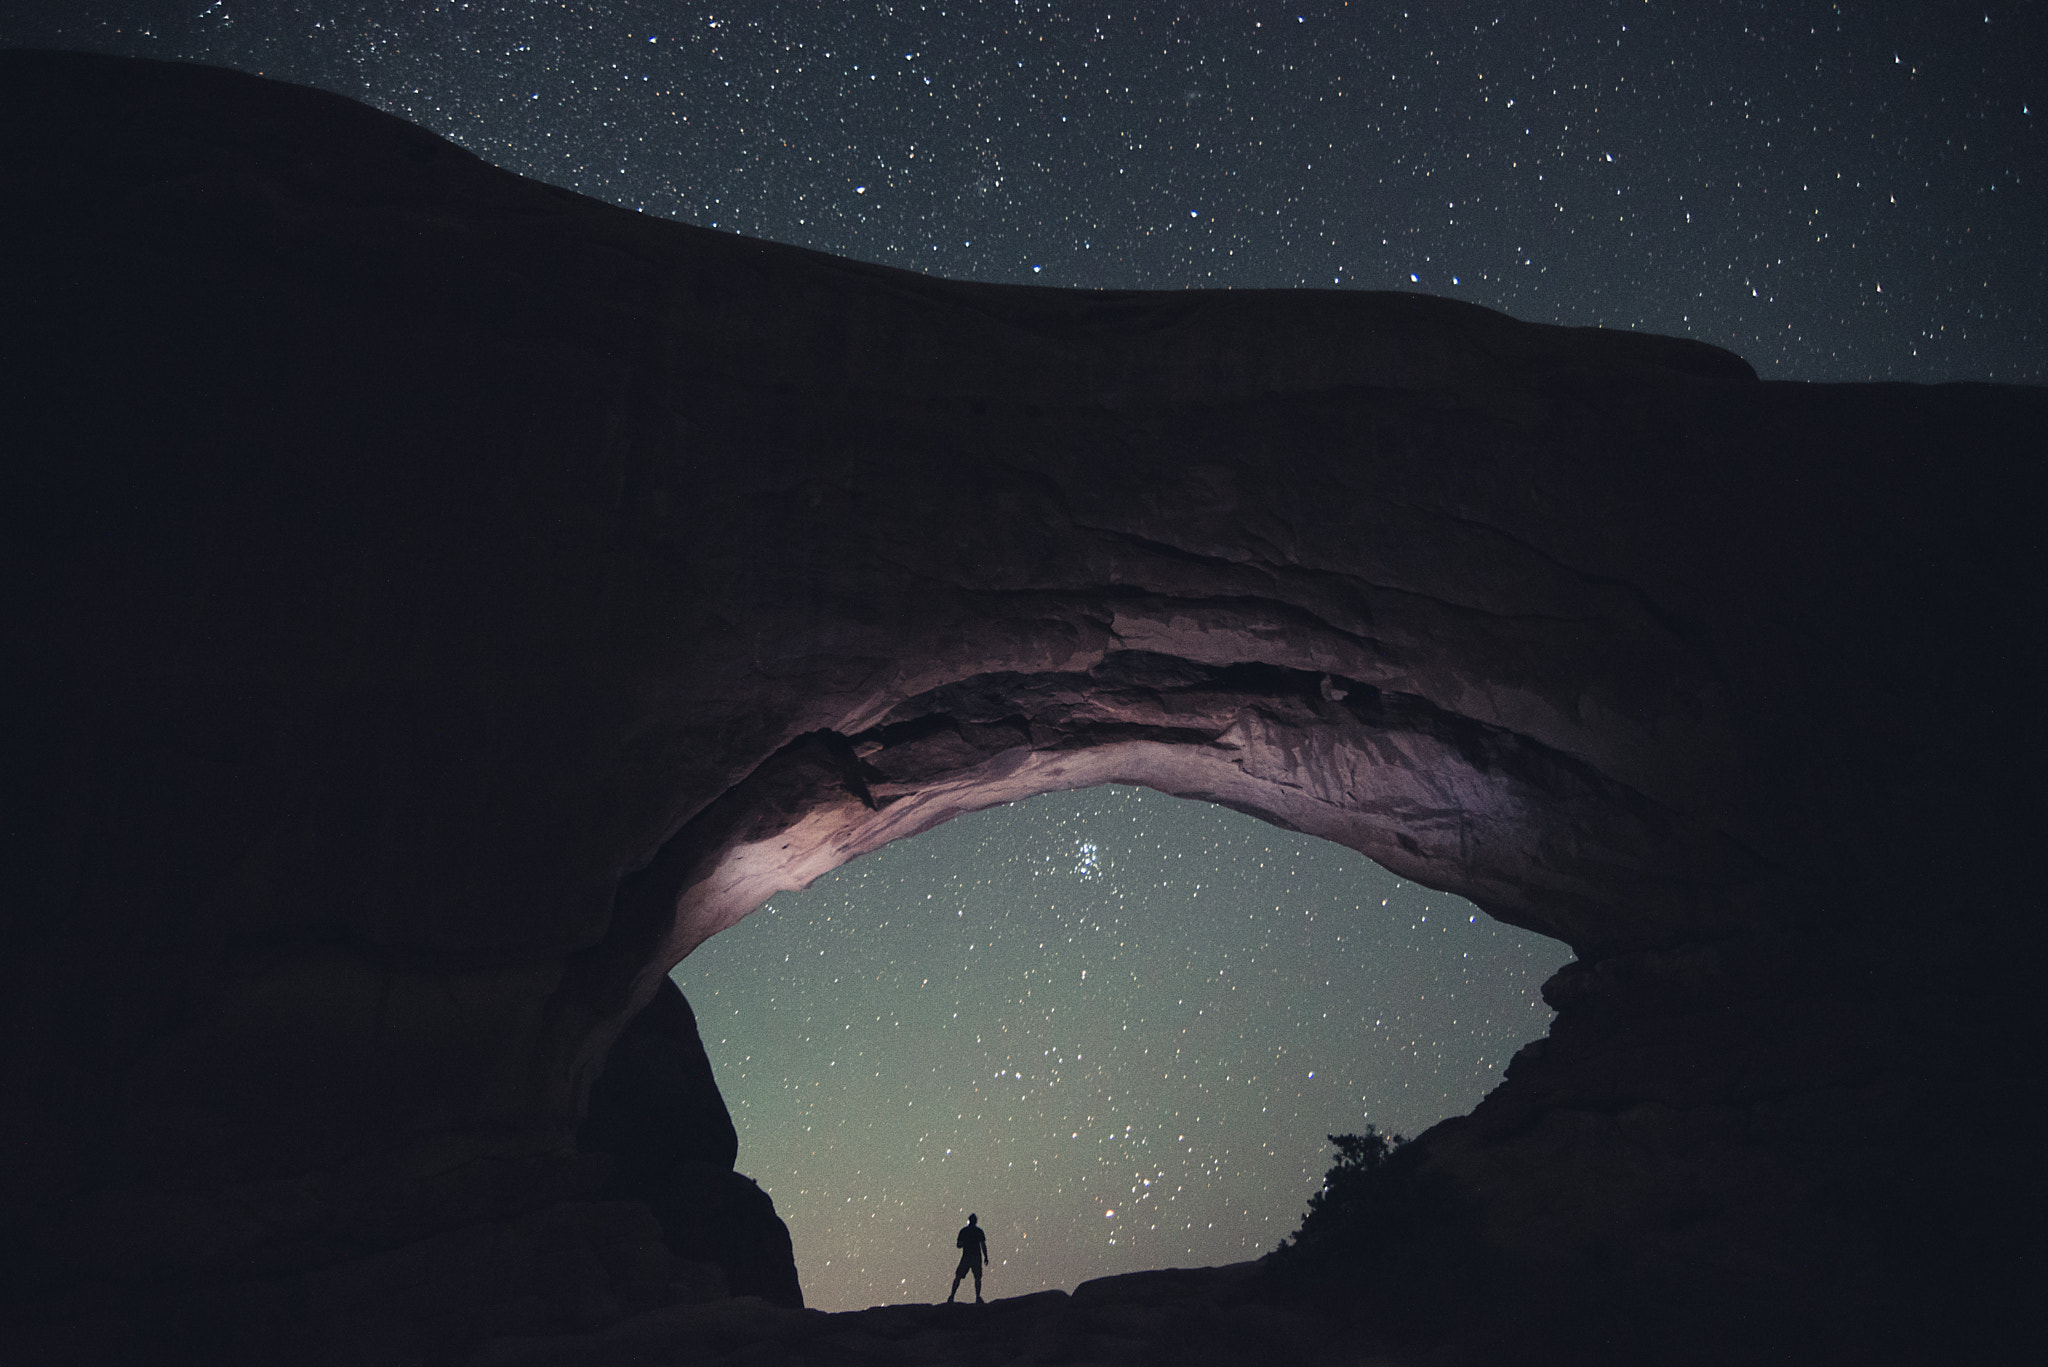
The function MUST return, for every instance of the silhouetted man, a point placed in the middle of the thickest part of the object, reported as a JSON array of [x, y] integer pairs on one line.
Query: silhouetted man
[[973, 1253]]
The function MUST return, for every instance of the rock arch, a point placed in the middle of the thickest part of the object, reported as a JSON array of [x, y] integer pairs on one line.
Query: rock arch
[[439, 601]]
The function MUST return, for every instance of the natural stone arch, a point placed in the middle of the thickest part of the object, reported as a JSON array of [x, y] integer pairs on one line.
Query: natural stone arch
[[1545, 841], [441, 600]]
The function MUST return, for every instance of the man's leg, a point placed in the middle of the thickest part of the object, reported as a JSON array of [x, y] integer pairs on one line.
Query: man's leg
[[977, 1284], [956, 1289]]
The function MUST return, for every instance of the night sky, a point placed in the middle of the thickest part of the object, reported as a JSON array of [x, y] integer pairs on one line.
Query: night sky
[[1837, 192], [1116, 1025]]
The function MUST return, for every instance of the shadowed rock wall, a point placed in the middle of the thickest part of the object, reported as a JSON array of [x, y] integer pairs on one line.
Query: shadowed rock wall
[[656, 1111], [437, 602]]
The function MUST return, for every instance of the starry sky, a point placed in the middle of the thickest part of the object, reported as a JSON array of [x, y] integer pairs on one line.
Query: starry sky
[[1032, 1012], [1849, 191]]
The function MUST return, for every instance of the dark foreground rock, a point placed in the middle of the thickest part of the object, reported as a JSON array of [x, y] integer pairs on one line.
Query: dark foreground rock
[[435, 603], [657, 1113]]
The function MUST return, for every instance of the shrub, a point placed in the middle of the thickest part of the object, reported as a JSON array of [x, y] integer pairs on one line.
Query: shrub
[[1368, 1196]]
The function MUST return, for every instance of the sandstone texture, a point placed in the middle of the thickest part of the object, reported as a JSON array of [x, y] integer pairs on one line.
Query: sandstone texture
[[436, 603]]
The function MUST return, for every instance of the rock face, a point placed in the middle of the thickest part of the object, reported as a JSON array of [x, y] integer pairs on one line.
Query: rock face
[[656, 1110], [436, 603]]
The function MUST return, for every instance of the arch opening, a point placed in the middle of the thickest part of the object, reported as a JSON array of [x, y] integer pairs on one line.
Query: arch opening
[[1117, 1024]]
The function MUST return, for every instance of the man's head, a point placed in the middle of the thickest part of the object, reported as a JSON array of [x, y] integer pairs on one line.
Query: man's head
[[972, 1218]]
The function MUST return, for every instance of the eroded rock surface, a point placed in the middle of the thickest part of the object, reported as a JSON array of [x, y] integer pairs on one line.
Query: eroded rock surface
[[437, 602]]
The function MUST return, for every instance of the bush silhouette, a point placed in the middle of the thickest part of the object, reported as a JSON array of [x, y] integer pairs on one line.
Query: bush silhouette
[[1385, 1236], [1370, 1198]]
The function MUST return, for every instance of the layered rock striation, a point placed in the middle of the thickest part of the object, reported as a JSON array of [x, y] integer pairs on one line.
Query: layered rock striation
[[436, 603]]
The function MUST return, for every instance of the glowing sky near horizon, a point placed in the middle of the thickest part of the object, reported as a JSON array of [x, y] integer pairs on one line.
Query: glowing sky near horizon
[[1837, 192], [1116, 1025]]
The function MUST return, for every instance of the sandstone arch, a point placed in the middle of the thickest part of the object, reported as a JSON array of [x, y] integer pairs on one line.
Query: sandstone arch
[[438, 601]]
